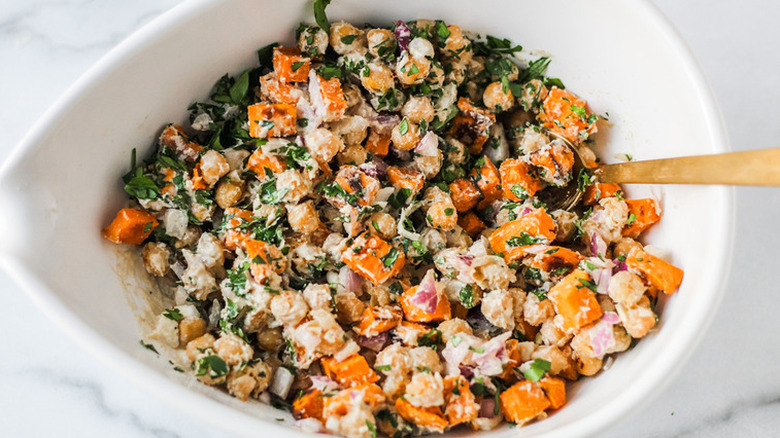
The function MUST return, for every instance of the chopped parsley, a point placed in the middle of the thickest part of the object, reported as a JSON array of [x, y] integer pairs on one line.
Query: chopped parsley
[[173, 314], [389, 259], [537, 369]]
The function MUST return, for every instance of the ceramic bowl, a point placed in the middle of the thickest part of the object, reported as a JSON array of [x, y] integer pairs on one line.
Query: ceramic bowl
[[61, 185]]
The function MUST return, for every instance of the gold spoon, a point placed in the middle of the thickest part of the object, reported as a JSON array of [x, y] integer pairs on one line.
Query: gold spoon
[[748, 168]]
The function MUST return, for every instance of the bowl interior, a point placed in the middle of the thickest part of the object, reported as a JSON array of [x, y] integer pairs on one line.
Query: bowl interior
[[63, 184]]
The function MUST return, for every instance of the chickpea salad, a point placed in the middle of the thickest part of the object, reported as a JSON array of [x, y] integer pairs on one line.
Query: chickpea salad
[[352, 231]]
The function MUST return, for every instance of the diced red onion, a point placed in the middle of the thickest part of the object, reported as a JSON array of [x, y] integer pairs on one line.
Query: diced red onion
[[598, 247], [428, 145], [487, 407], [351, 281], [611, 318], [427, 296], [324, 384], [490, 361], [619, 266], [455, 354], [601, 278], [403, 34], [399, 154], [375, 169], [375, 343]]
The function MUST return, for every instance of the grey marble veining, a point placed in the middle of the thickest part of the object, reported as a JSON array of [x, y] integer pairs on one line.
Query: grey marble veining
[[729, 387]]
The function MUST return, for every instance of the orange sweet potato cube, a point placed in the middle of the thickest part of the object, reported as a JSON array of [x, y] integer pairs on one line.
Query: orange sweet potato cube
[[641, 215], [523, 402], [574, 300], [465, 194], [568, 115], [272, 120], [405, 178], [517, 179], [373, 258], [658, 272], [351, 371], [289, 65]]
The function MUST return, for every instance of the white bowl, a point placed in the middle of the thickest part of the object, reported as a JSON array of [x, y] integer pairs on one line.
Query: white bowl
[[62, 184]]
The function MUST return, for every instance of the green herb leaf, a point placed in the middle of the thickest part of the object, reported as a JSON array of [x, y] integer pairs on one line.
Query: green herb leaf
[[389, 259], [348, 39], [213, 366], [297, 65], [174, 314], [631, 219], [525, 239], [466, 296], [319, 14], [403, 127], [265, 55], [239, 89], [537, 369]]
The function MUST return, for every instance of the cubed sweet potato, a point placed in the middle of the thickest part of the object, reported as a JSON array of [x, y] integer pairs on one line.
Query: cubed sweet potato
[[555, 389], [459, 402], [378, 144], [517, 180], [131, 225], [574, 300], [641, 215], [430, 418], [465, 194], [488, 180], [594, 192], [289, 65], [264, 259], [414, 313], [405, 178], [272, 120], [657, 272], [235, 237], [327, 97], [471, 224], [309, 405], [261, 163], [352, 371], [471, 125], [378, 319], [568, 115], [373, 258], [534, 227], [523, 402], [341, 403]]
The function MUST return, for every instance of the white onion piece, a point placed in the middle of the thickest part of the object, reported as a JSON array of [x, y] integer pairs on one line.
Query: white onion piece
[[282, 382], [311, 425], [428, 146]]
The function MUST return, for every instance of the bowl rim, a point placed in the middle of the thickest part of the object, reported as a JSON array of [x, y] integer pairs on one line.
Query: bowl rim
[[190, 403]]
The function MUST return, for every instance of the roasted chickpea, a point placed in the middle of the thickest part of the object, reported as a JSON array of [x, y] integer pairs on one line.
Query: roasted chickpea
[[406, 135], [497, 99]]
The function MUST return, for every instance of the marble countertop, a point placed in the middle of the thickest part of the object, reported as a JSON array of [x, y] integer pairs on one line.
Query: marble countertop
[[729, 387]]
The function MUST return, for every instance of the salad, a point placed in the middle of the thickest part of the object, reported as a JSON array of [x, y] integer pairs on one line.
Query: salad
[[351, 230]]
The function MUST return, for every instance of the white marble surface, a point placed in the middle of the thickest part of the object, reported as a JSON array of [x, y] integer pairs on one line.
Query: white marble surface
[[730, 386]]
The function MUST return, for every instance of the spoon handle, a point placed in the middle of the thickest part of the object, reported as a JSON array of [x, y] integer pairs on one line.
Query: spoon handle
[[749, 168]]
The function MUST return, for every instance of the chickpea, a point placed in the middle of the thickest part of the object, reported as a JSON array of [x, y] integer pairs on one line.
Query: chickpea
[[270, 339], [637, 319], [313, 41], [456, 151], [536, 312], [442, 215], [534, 93], [379, 78], [202, 212], [425, 390], [348, 307], [455, 46], [323, 144], [588, 366], [318, 296], [214, 166], [355, 154], [565, 224], [289, 307], [352, 94], [497, 99], [452, 327], [626, 288], [410, 70], [346, 38], [298, 185], [191, 235], [383, 225], [498, 308], [233, 349], [195, 346], [418, 108], [406, 135], [191, 328], [156, 256], [625, 245], [352, 129], [436, 76], [560, 362], [303, 218], [420, 48], [424, 359], [229, 193], [380, 40], [428, 165]]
